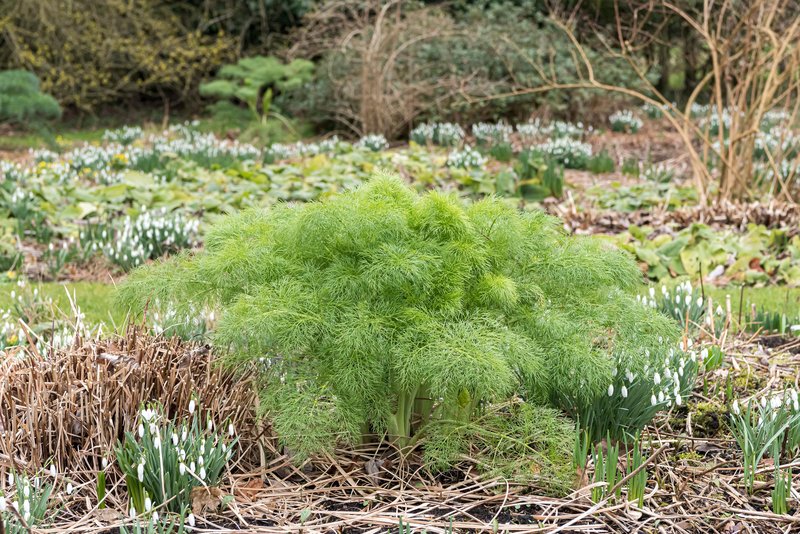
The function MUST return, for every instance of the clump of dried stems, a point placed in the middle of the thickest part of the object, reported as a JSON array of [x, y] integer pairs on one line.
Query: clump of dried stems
[[69, 407], [375, 39]]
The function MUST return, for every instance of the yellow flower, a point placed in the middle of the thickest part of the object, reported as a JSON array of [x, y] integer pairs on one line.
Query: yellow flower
[[11, 275], [13, 339]]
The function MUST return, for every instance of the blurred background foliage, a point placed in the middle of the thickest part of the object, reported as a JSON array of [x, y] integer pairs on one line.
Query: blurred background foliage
[[381, 65]]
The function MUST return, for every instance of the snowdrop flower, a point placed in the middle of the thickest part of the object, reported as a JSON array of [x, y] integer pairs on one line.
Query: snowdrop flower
[[182, 468], [53, 471], [653, 400], [174, 439], [201, 460], [190, 519], [157, 442], [153, 428], [2, 504], [231, 430], [610, 389], [735, 407], [656, 379], [624, 392], [763, 402], [192, 467], [26, 507], [148, 504], [210, 425], [132, 513], [629, 375], [202, 473], [191, 406], [26, 490], [11, 479], [70, 488], [105, 463], [155, 517], [775, 402], [141, 430], [652, 292], [660, 396], [678, 399], [140, 472], [704, 354], [688, 300]]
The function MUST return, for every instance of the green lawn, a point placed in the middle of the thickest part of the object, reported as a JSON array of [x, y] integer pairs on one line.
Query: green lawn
[[95, 299], [773, 298]]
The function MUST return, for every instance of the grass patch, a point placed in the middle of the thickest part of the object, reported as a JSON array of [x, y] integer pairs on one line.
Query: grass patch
[[95, 299], [773, 298]]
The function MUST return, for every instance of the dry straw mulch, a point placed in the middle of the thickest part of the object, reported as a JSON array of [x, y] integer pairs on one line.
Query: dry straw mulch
[[70, 407]]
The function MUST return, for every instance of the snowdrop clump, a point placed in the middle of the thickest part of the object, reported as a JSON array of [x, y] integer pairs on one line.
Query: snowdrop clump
[[373, 142], [658, 173], [634, 397], [185, 454], [768, 425], [678, 302], [191, 323], [487, 133], [280, 151], [466, 158], [569, 152], [625, 121], [531, 131], [150, 235], [438, 133], [777, 141], [28, 497], [123, 136], [13, 171]]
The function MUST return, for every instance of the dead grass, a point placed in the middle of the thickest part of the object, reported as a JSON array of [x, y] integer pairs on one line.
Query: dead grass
[[69, 407]]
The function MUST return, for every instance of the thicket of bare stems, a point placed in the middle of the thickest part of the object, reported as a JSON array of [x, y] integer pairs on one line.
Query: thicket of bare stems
[[754, 59], [376, 39]]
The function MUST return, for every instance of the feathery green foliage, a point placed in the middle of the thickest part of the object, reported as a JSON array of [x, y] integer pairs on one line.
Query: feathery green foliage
[[21, 101], [380, 310]]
